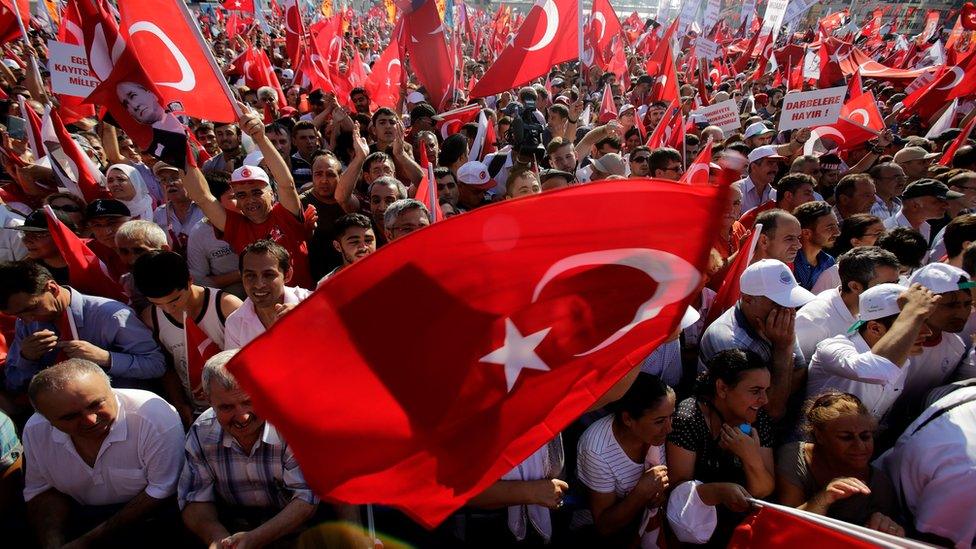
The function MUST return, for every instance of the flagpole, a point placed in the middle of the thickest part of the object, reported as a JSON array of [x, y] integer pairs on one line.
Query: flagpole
[[27, 43], [192, 24], [579, 35]]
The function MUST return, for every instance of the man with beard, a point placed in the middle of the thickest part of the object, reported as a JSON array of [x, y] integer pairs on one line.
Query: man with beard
[[818, 230], [354, 240], [265, 269], [231, 151], [241, 484]]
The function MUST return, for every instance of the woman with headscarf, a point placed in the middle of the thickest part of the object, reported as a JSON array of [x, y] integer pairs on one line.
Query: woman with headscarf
[[127, 186]]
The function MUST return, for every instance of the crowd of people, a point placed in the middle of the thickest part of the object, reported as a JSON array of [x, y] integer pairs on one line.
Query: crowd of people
[[841, 382]]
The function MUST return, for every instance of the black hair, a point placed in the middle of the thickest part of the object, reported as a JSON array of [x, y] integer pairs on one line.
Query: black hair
[[159, 273], [219, 183], [22, 277], [452, 149], [345, 222], [908, 245], [728, 366], [267, 247], [645, 394], [854, 226]]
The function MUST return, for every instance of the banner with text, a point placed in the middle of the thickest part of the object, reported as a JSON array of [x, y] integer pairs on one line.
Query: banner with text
[[773, 17], [811, 108], [70, 73], [706, 49], [724, 115], [797, 9]]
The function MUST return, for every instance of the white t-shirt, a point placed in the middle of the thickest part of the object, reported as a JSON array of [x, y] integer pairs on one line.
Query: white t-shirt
[[846, 364], [933, 468], [823, 318], [143, 452], [932, 368]]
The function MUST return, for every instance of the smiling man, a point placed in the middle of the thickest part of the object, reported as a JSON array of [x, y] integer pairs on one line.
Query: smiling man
[[241, 485], [354, 240], [100, 461], [265, 269]]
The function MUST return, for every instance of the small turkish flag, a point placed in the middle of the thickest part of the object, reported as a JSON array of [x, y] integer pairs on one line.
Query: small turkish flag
[[778, 526], [199, 348], [699, 170], [608, 109], [384, 82], [239, 5], [552, 315], [86, 272]]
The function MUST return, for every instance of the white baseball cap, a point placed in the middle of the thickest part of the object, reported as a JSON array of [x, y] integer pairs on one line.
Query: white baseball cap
[[758, 128], [415, 97], [288, 74], [940, 278], [773, 279], [876, 302], [474, 173], [247, 174], [766, 151]]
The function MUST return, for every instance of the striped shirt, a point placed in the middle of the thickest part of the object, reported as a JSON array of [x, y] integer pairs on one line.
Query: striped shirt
[[602, 465], [218, 469]]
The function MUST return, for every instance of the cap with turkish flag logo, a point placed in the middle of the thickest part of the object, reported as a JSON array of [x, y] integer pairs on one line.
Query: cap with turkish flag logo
[[475, 174], [249, 174]]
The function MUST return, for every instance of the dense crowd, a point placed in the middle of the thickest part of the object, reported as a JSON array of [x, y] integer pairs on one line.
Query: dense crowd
[[841, 382]]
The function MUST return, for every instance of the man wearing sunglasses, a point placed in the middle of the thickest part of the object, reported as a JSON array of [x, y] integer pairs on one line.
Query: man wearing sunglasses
[[639, 161], [665, 163]]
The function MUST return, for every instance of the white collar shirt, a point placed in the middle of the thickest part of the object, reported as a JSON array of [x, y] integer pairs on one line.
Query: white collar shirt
[[846, 364], [899, 220], [823, 318], [932, 468], [143, 452], [243, 325]]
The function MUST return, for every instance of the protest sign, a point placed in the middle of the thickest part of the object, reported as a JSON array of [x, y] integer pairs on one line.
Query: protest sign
[[724, 115], [706, 49], [811, 108], [70, 74]]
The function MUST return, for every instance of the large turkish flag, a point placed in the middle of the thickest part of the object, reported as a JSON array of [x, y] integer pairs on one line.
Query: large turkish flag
[[499, 327]]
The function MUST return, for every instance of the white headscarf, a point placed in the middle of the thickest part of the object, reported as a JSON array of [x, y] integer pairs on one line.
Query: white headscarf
[[141, 205]]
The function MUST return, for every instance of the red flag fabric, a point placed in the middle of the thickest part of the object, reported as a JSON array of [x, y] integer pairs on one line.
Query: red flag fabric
[[75, 170], [931, 98], [604, 26], [546, 38], [126, 91], [860, 120], [294, 30], [768, 526], [34, 138], [743, 61], [608, 109], [86, 272], [383, 83], [959, 141], [199, 348], [765, 52], [832, 52], [72, 109], [661, 66], [728, 292], [259, 72], [450, 122], [427, 188], [239, 5], [699, 170], [856, 87], [543, 345], [169, 47], [670, 130], [9, 28], [430, 57]]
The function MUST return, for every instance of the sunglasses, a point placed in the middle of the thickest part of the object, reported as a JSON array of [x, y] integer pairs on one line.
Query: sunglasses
[[641, 159], [68, 208]]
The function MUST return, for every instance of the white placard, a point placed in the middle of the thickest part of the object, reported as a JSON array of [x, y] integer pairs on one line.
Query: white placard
[[70, 74], [748, 8], [724, 115], [797, 9], [773, 17], [706, 49], [689, 13], [811, 108], [712, 8]]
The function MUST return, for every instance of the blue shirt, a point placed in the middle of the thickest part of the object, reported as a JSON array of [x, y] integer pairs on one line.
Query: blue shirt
[[807, 274], [105, 323]]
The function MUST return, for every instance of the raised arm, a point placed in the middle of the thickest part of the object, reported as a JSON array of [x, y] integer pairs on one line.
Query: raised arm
[[196, 187], [253, 126], [347, 181]]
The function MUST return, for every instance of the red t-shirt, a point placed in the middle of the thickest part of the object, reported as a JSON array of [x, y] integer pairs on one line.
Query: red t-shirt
[[281, 226]]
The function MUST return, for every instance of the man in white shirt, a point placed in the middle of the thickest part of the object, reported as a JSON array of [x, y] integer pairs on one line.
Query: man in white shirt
[[870, 362], [265, 269], [115, 452], [931, 467], [922, 200], [834, 310], [757, 187], [943, 352]]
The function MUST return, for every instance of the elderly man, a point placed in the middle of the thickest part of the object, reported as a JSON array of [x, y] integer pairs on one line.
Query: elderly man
[[259, 217], [889, 182], [179, 214], [404, 217], [854, 194], [915, 162], [780, 236], [922, 200], [241, 485], [763, 322], [265, 269], [100, 462], [56, 322], [835, 310]]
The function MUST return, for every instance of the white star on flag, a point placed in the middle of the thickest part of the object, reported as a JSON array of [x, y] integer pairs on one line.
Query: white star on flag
[[518, 353]]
